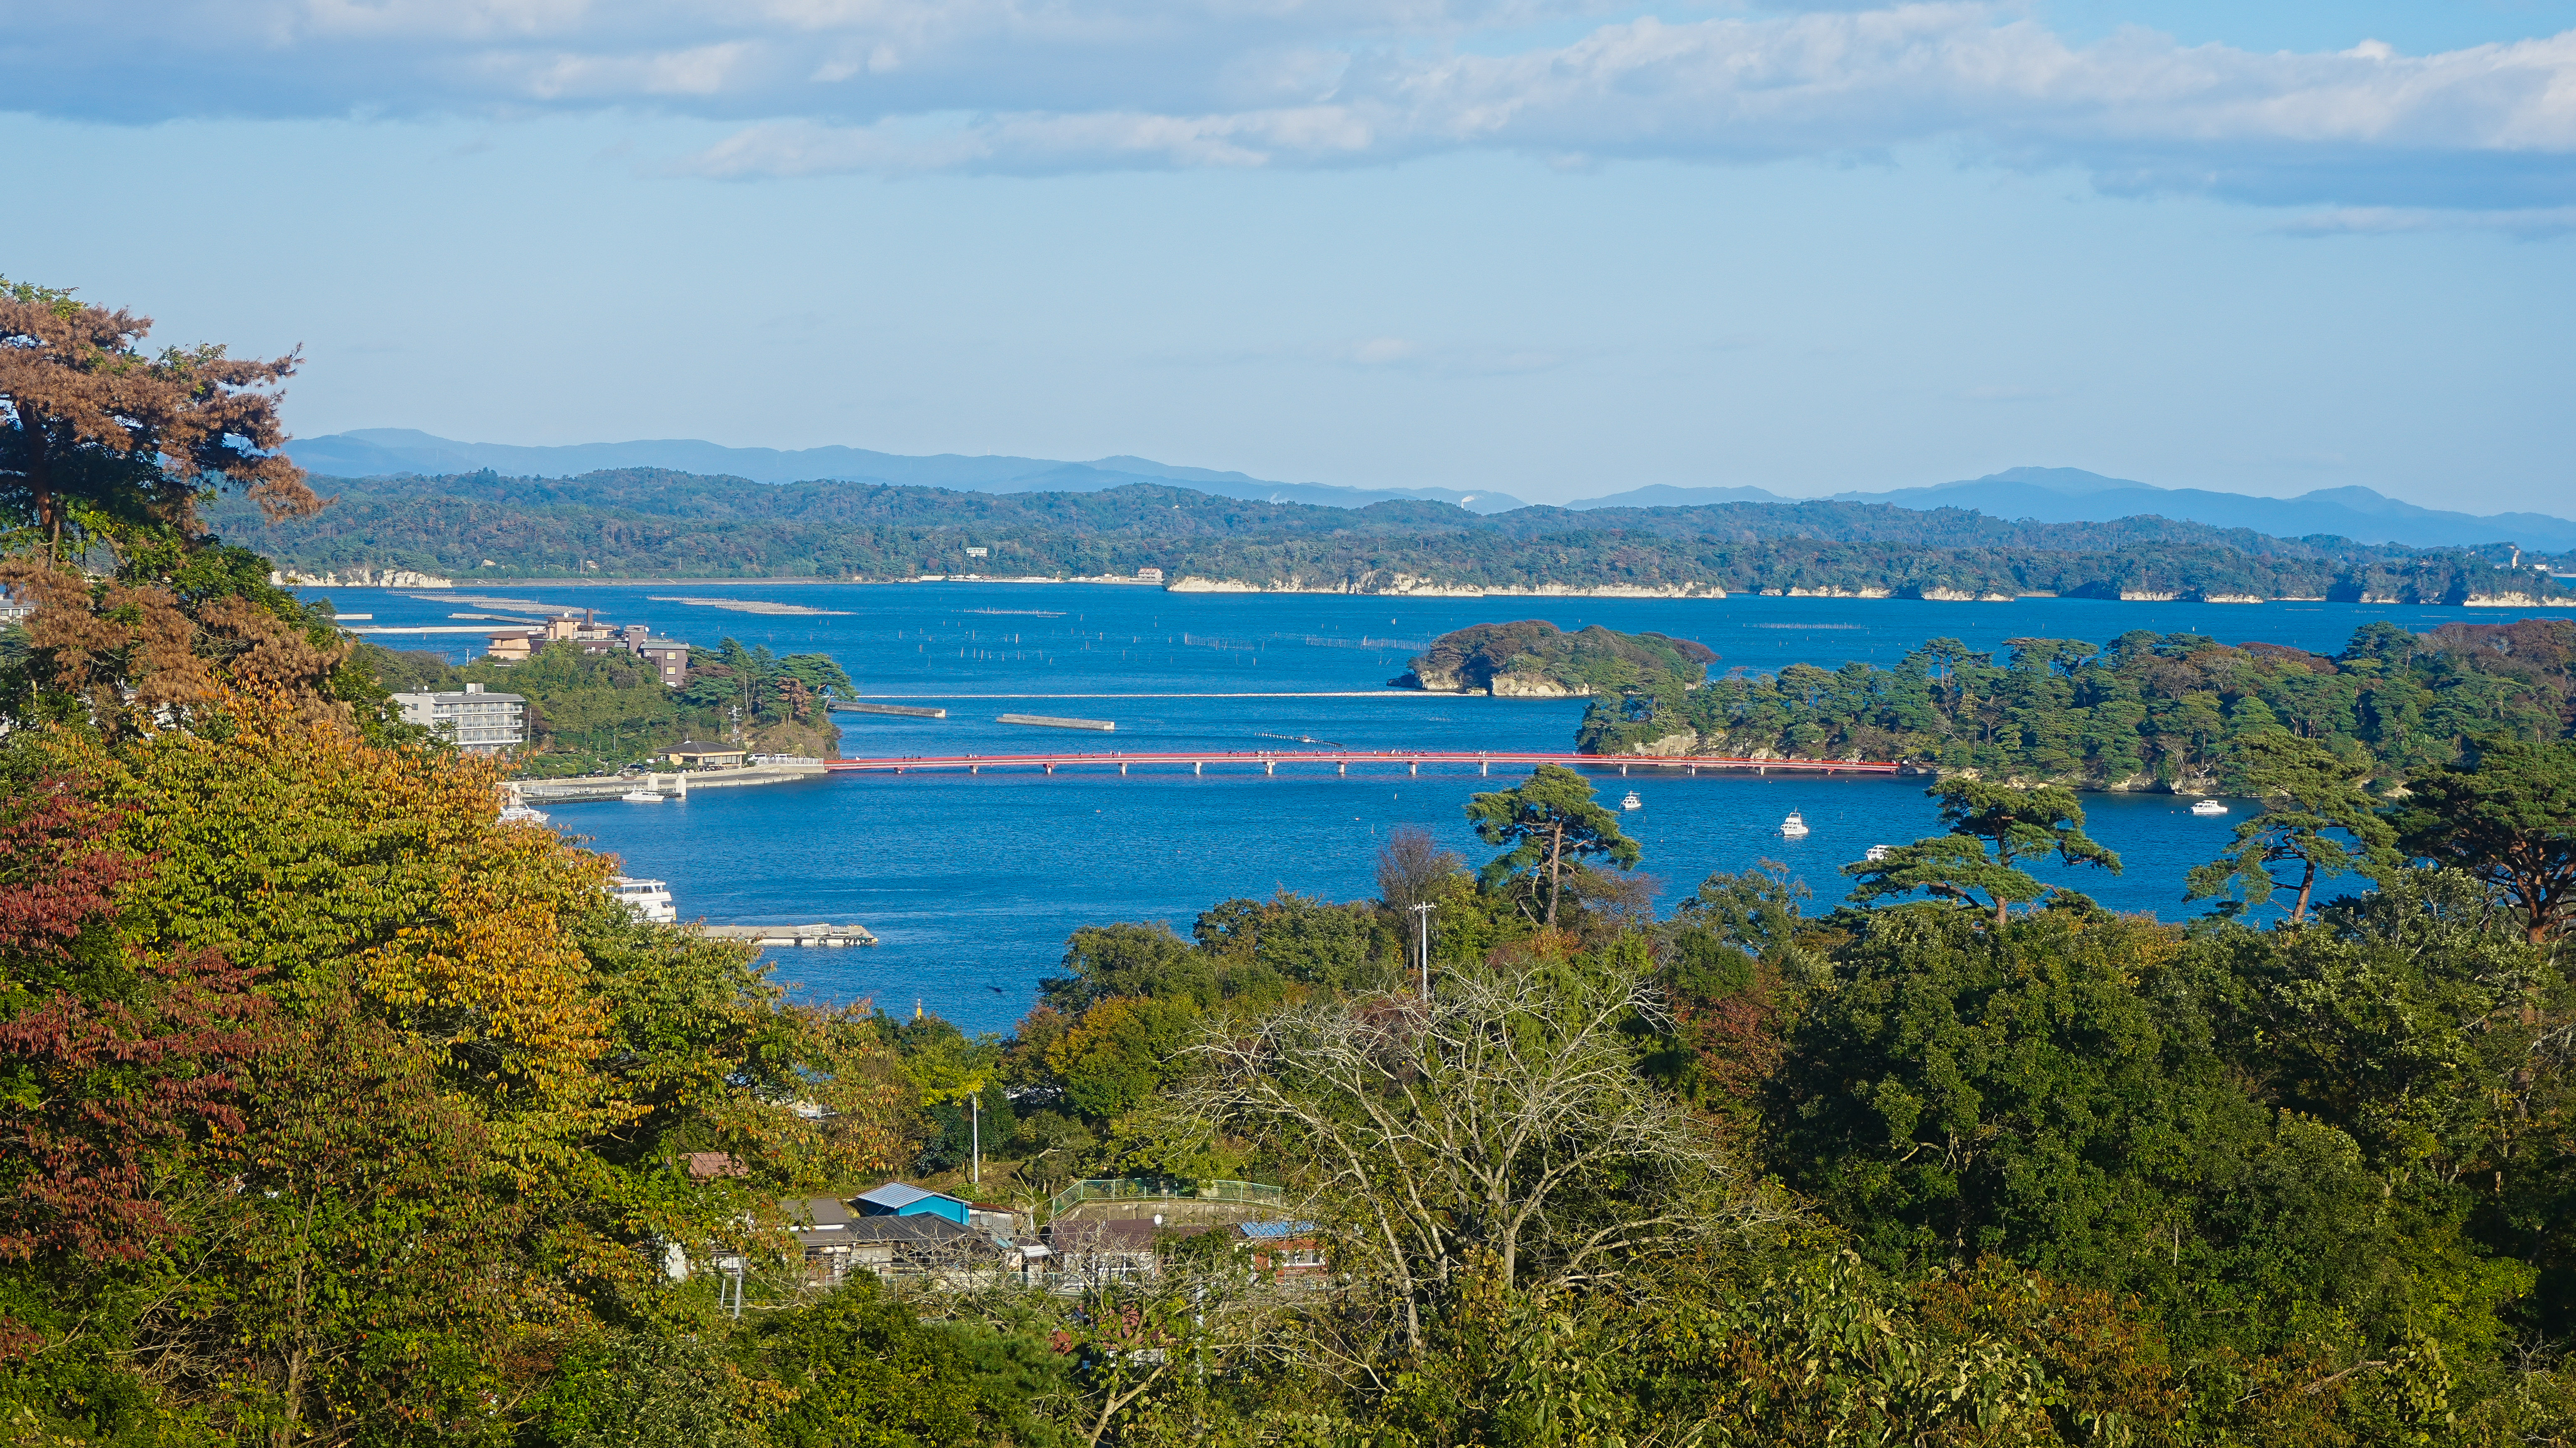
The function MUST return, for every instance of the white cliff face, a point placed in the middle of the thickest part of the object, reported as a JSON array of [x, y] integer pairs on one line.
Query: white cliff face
[[1670, 745], [360, 577], [1536, 686]]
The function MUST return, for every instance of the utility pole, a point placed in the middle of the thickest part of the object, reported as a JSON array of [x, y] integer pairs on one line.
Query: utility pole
[[1424, 911], [975, 1134]]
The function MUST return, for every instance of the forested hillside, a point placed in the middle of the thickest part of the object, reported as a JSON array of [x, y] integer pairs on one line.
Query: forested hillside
[[648, 524], [2147, 711]]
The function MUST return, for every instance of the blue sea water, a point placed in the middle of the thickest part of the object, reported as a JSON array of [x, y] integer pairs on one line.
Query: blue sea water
[[973, 882]]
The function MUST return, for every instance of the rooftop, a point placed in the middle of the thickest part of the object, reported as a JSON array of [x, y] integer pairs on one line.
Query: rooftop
[[895, 1196]]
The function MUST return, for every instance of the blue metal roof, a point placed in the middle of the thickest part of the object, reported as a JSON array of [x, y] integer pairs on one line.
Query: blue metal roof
[[902, 1199], [1269, 1230]]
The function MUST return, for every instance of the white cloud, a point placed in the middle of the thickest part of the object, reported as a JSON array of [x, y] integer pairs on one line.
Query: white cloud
[[821, 86]]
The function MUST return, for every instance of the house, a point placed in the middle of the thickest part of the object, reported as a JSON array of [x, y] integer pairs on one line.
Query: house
[[1096, 1252], [512, 645], [926, 1247], [1001, 1223], [1149, 575], [708, 1165], [693, 754], [478, 722], [669, 657], [900, 1199], [1292, 1251], [822, 1229]]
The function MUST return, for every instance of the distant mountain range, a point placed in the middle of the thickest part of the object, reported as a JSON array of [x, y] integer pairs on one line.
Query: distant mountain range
[[2045, 495], [379, 452], [2072, 495]]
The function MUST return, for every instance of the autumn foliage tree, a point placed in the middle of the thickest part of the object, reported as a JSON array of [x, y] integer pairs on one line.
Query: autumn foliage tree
[[101, 440]]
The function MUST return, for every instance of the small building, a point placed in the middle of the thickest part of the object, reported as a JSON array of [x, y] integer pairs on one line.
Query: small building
[[512, 645], [1094, 1253], [978, 552], [927, 1248], [901, 1199], [669, 657], [1290, 1250], [478, 722], [1002, 1223], [822, 1228], [693, 754], [1149, 575]]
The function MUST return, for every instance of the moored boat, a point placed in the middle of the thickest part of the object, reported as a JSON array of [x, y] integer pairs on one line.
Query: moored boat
[[1794, 827], [2209, 807]]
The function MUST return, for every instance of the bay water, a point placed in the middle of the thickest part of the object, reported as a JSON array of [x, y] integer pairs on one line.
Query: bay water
[[972, 882]]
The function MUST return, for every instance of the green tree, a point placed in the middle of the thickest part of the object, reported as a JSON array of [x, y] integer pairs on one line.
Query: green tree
[[2307, 790], [1993, 827], [2507, 817], [1549, 820]]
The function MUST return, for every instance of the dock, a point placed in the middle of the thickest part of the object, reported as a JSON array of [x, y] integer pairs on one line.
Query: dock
[[1050, 721], [908, 711], [834, 936], [672, 784]]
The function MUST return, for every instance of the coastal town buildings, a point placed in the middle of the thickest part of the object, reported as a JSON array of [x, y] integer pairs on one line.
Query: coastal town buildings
[[669, 657], [480, 722]]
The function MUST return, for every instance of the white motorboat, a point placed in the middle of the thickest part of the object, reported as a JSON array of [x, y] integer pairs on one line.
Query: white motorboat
[[1632, 802], [642, 796], [1876, 852], [2209, 807], [649, 899], [519, 814], [1794, 827]]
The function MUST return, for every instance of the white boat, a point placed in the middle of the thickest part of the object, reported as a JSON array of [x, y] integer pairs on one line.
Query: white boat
[[649, 899], [1794, 827], [1876, 852], [1632, 802], [642, 796], [2209, 807], [519, 814]]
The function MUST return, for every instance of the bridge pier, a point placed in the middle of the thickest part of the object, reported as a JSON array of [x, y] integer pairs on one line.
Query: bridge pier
[[1050, 769], [1122, 766], [1198, 766], [1623, 771], [1415, 768], [1484, 766], [1343, 768], [1270, 766], [974, 769]]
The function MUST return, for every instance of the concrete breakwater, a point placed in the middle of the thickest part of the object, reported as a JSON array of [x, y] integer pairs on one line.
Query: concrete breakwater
[[677, 783]]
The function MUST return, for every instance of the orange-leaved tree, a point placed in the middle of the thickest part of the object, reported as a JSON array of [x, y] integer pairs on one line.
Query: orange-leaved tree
[[452, 1155]]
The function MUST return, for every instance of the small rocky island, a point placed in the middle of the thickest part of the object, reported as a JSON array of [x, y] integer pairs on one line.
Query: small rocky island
[[1534, 659]]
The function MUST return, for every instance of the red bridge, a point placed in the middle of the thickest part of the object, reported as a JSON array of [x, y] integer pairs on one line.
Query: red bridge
[[1342, 760]]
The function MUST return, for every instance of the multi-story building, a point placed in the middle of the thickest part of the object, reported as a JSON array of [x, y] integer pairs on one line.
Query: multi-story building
[[479, 722]]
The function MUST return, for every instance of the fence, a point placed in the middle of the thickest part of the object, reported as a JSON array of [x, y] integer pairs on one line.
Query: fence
[[1138, 1189]]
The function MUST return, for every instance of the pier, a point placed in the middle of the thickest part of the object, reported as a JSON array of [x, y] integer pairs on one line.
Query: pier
[[840, 936], [1374, 761]]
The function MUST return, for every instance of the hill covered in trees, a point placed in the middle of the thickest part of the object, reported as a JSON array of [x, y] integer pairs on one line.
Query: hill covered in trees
[[2147, 711], [641, 523]]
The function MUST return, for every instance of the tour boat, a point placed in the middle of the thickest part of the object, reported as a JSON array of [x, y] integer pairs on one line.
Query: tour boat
[[642, 796], [1632, 802], [1794, 827], [1876, 852], [2209, 807], [649, 899], [519, 814]]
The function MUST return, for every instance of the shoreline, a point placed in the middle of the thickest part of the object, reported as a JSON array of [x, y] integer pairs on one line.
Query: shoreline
[[1692, 593]]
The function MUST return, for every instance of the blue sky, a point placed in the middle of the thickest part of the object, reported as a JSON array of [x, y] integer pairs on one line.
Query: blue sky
[[1549, 247]]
